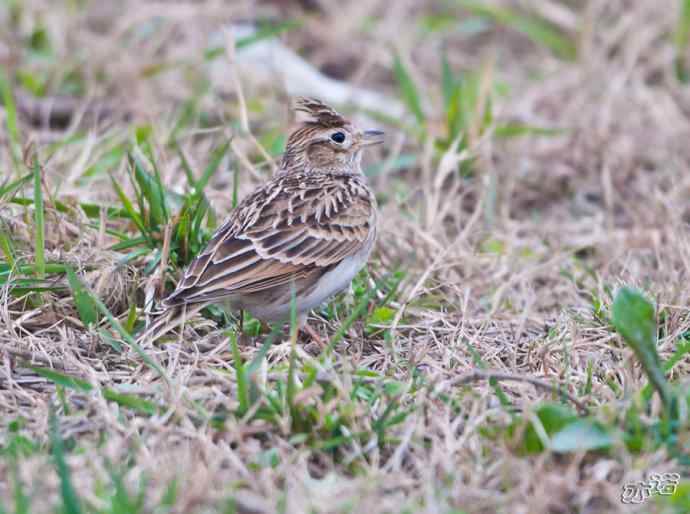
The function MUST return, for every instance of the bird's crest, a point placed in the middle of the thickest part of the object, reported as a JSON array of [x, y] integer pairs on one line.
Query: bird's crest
[[313, 111]]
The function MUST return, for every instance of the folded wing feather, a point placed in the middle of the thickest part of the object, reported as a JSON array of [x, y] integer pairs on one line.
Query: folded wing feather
[[291, 228]]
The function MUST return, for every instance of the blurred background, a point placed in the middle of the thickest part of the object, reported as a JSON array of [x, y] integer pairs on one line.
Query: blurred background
[[550, 98], [537, 157]]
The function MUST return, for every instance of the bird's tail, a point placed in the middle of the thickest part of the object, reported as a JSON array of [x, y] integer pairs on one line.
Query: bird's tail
[[168, 320]]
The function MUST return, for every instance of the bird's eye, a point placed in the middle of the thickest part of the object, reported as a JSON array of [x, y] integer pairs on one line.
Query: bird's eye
[[338, 137]]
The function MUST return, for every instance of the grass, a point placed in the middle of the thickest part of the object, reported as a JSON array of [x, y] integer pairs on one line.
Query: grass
[[682, 38], [39, 223], [519, 342]]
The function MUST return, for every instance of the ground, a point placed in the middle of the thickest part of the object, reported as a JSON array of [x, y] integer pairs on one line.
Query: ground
[[518, 344]]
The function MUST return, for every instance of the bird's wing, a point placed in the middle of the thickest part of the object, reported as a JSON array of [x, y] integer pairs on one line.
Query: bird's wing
[[298, 225]]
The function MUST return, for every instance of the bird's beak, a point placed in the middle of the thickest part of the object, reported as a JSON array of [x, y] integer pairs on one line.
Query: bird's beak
[[372, 137]]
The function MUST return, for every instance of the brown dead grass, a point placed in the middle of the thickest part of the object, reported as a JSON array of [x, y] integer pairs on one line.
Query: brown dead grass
[[604, 204]]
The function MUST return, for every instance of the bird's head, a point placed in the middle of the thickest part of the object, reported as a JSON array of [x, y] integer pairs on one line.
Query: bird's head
[[325, 141]]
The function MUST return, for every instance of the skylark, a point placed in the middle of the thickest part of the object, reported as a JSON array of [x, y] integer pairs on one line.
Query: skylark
[[311, 228]]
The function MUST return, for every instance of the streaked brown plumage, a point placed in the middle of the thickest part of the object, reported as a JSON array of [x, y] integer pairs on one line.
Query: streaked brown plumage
[[313, 225]]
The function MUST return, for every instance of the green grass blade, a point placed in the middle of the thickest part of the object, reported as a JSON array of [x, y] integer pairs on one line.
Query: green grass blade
[[160, 195], [448, 81], [140, 200], [70, 501], [108, 161], [182, 237], [251, 368], [27, 269], [131, 318], [82, 299], [129, 340], [39, 222], [128, 243], [188, 114], [14, 186], [681, 39], [140, 252], [212, 167], [185, 164], [7, 251], [587, 388], [408, 90], [152, 190], [21, 500], [129, 208], [188, 236], [683, 349], [93, 210], [196, 236], [130, 401], [518, 129], [62, 379], [154, 261], [241, 376], [110, 340], [392, 285], [59, 206], [235, 186], [466, 99], [199, 202]]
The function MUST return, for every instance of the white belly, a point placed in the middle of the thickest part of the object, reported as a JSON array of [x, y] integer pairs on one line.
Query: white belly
[[330, 284], [333, 282]]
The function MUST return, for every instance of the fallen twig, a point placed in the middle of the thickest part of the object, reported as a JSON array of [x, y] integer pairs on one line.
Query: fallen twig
[[475, 376], [59, 111], [30, 358]]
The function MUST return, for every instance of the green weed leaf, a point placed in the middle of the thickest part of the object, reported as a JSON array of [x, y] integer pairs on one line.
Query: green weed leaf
[[635, 320], [582, 435]]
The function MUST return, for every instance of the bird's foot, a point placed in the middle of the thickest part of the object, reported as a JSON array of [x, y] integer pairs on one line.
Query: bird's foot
[[313, 334]]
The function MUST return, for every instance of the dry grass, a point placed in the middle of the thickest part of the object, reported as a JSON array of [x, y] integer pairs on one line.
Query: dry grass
[[510, 266]]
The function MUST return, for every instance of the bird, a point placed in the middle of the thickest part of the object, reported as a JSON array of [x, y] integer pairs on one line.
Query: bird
[[305, 233]]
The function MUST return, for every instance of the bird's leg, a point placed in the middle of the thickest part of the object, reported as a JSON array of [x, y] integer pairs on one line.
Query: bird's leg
[[315, 336], [305, 327]]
